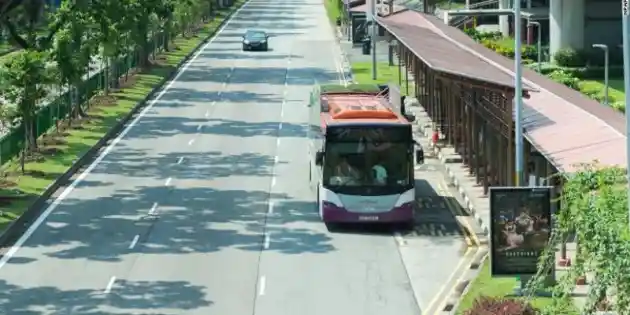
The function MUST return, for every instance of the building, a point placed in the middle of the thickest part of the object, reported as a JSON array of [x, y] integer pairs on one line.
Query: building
[[576, 24]]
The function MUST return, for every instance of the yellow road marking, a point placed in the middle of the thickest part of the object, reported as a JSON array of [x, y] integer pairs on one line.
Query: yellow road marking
[[436, 299]]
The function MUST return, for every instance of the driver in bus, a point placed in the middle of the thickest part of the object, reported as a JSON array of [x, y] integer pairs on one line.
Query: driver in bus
[[345, 174]]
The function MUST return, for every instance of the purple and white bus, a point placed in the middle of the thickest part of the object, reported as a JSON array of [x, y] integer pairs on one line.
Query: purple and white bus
[[362, 157]]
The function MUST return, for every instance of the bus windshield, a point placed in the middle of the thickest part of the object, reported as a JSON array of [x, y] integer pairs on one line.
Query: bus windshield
[[363, 164]]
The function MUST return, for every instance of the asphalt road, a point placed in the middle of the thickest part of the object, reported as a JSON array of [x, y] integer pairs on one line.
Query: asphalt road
[[202, 205]]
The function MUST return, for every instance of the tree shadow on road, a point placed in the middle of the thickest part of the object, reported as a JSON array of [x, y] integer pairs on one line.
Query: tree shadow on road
[[127, 297]]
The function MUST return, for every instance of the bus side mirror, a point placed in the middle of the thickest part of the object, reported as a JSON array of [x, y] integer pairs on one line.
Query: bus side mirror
[[410, 117], [420, 156], [319, 158]]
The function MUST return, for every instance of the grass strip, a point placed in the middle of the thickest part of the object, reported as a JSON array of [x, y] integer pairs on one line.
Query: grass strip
[[59, 150], [485, 285], [332, 10], [362, 73]]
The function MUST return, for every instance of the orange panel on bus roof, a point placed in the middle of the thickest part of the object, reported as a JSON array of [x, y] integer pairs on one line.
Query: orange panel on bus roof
[[359, 107]]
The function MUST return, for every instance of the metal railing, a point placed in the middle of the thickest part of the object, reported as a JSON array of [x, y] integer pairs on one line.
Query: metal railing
[[460, 21]]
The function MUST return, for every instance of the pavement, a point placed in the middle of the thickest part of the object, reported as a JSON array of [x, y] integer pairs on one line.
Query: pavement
[[202, 204]]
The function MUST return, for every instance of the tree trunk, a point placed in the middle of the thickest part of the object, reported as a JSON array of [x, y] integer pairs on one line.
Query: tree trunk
[[106, 87]]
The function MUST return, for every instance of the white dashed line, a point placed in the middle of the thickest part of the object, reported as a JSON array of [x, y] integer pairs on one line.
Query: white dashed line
[[153, 208], [110, 284], [270, 207], [278, 142], [399, 239], [225, 83], [267, 241], [199, 127], [180, 160], [134, 241], [276, 159], [191, 141], [168, 181], [280, 126], [208, 112], [261, 286], [273, 181]]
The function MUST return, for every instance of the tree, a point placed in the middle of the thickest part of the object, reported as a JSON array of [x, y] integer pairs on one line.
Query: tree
[[24, 68], [72, 51], [594, 207]]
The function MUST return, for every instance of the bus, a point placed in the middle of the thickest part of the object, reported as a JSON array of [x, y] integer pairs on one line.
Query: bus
[[362, 155]]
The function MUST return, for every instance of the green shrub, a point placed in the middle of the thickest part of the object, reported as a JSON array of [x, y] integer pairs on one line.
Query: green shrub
[[620, 106], [568, 57], [565, 78], [500, 306]]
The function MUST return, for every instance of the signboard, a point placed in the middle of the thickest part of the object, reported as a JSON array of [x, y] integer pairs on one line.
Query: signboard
[[520, 228]]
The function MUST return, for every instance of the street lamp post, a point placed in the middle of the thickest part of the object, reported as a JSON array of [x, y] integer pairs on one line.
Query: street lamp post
[[539, 48], [518, 94], [605, 49]]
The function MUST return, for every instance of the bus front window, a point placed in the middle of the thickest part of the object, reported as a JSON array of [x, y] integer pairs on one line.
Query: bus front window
[[355, 164]]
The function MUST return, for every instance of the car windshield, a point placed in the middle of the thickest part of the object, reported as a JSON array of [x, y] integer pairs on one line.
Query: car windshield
[[356, 167], [255, 35]]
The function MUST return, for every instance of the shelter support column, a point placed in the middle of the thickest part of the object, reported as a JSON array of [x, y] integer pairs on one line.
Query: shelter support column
[[486, 157]]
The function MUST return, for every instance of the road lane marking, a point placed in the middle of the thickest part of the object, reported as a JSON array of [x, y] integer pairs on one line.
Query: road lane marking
[[134, 241], [280, 126], [208, 112], [278, 142], [199, 127], [273, 181], [191, 141], [399, 239], [267, 241], [270, 207], [153, 208], [168, 181], [180, 160], [64, 194], [276, 159], [470, 237], [110, 284], [437, 298], [261, 286], [224, 85]]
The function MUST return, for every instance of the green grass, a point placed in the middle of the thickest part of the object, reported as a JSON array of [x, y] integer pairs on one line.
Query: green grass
[[484, 284], [615, 91], [59, 151], [332, 9], [362, 73]]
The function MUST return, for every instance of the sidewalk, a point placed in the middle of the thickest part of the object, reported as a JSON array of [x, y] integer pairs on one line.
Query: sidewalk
[[476, 202]]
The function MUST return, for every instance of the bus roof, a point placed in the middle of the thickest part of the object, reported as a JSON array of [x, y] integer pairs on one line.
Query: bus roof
[[349, 88], [360, 108]]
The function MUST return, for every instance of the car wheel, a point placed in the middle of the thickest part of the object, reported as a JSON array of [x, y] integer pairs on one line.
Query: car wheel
[[266, 47], [244, 48]]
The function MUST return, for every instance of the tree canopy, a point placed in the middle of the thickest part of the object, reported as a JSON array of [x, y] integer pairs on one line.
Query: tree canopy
[[76, 34]]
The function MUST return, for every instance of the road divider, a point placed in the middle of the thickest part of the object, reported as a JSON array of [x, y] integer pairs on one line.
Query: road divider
[[19, 230]]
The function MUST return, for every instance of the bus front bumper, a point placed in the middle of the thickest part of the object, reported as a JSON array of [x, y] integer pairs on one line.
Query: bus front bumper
[[334, 214]]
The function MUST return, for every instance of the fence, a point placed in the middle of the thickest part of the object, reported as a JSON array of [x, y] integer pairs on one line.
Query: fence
[[47, 115]]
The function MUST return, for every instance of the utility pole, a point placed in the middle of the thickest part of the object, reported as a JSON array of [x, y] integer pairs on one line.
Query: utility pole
[[518, 94], [625, 12], [374, 33]]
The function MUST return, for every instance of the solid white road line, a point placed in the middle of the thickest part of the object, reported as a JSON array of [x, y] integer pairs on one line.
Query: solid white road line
[[20, 242]]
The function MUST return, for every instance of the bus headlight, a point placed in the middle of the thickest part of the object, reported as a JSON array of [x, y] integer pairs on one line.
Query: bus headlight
[[406, 197]]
